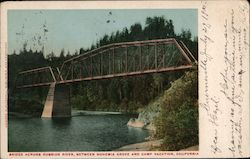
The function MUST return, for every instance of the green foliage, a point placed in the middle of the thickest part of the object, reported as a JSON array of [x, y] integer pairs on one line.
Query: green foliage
[[178, 120], [134, 107], [80, 102]]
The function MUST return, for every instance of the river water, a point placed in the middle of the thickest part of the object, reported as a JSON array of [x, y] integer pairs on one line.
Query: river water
[[82, 132]]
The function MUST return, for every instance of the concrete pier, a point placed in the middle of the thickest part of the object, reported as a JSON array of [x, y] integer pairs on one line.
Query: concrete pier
[[48, 106], [57, 102]]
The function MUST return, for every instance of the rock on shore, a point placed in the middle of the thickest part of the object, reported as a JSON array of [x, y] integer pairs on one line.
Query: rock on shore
[[133, 122], [147, 116]]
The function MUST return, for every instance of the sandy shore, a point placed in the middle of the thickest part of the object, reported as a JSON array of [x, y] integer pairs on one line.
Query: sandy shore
[[143, 146], [148, 145], [192, 148]]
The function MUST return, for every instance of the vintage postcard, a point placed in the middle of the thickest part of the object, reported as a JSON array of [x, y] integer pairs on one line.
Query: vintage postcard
[[124, 79]]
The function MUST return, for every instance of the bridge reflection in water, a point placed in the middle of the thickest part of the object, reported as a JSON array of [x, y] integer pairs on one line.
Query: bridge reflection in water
[[109, 61]]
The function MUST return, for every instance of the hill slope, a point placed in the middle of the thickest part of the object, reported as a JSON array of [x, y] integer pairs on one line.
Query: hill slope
[[174, 115]]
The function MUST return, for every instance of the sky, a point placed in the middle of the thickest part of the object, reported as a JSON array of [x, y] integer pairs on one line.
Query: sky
[[73, 29]]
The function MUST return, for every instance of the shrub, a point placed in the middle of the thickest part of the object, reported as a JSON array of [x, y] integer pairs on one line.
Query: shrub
[[80, 102], [133, 106], [177, 123]]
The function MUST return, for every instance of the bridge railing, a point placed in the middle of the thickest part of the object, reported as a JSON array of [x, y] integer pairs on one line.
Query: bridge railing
[[35, 77]]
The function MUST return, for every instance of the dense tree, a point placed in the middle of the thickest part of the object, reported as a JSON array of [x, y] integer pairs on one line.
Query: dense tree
[[136, 32], [62, 54]]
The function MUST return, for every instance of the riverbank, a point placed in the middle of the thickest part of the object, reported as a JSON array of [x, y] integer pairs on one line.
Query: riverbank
[[19, 115], [151, 146], [73, 113], [173, 116], [89, 112], [143, 146], [192, 148]]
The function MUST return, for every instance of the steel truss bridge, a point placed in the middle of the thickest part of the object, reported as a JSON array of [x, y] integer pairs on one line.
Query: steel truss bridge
[[113, 60]]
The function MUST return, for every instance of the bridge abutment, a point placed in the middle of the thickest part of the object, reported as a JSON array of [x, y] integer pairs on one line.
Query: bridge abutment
[[58, 101]]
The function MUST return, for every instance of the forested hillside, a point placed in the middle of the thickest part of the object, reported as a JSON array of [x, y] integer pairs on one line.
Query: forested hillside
[[128, 94]]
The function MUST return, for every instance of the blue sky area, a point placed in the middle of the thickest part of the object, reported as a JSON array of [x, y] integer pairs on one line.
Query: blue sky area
[[73, 29]]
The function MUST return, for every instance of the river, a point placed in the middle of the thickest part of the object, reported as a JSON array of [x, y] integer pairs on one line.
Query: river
[[84, 131]]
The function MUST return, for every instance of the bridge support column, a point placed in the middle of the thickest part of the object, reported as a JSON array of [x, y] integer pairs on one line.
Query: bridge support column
[[58, 101]]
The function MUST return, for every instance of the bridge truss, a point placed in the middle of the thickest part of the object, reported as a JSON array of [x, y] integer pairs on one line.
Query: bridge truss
[[114, 60]]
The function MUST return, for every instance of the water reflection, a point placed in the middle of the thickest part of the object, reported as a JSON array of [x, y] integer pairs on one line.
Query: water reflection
[[81, 133], [61, 121], [135, 133]]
